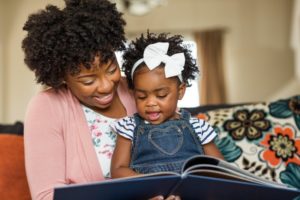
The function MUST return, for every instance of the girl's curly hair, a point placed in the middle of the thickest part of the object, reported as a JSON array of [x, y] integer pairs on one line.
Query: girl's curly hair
[[136, 49], [58, 41]]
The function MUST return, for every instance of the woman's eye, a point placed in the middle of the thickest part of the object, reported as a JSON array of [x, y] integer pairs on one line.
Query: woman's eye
[[141, 97], [90, 82], [112, 69]]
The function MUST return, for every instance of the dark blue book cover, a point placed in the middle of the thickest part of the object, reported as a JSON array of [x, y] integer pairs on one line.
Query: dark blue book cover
[[203, 178]]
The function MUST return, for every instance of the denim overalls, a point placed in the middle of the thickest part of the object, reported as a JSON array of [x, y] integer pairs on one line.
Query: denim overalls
[[163, 147]]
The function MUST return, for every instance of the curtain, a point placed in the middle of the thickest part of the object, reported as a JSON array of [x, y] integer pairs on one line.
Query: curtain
[[210, 59]]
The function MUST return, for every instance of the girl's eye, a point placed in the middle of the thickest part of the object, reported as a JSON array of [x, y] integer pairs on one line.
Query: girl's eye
[[161, 95]]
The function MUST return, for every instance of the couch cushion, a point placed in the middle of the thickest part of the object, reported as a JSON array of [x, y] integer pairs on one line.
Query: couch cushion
[[13, 182], [263, 138]]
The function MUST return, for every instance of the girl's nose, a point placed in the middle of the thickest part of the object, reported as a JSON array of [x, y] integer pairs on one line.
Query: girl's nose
[[151, 102]]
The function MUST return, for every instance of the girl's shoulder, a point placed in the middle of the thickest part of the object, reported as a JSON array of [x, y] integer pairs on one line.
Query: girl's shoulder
[[124, 126], [123, 123], [199, 124], [128, 120]]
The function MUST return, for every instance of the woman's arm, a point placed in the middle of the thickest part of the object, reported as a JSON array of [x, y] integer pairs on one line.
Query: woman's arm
[[44, 148], [121, 159]]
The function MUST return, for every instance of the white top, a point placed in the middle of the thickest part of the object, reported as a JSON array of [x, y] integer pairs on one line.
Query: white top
[[104, 138]]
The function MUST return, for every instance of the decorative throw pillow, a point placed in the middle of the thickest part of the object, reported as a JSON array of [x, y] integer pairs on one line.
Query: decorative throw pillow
[[262, 138]]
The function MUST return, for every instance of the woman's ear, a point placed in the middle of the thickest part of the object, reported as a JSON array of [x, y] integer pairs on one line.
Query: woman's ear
[[181, 90]]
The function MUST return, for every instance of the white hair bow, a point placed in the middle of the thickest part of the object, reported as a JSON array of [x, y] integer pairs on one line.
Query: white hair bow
[[155, 54]]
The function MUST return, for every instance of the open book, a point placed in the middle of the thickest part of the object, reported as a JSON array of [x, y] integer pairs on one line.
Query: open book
[[202, 177]]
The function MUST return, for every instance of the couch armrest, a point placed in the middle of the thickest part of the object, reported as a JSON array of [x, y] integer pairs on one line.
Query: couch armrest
[[13, 181]]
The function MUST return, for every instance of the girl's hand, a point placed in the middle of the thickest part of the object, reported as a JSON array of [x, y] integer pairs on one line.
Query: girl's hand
[[172, 197]]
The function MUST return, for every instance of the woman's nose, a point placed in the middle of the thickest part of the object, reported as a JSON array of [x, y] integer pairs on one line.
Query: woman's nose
[[104, 85]]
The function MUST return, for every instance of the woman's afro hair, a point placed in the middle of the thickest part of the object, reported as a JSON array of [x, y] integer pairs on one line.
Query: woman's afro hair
[[59, 41], [136, 49]]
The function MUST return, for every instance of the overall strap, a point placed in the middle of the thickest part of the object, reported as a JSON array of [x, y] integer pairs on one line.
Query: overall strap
[[186, 115], [138, 120]]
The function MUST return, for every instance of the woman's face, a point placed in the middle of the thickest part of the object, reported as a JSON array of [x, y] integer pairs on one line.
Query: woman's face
[[96, 87], [156, 96]]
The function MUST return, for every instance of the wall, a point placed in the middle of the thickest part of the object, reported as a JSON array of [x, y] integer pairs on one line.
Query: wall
[[19, 84], [1, 61], [258, 57], [293, 85]]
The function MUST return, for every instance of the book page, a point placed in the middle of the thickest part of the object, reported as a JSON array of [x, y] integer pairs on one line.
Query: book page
[[152, 174], [207, 165]]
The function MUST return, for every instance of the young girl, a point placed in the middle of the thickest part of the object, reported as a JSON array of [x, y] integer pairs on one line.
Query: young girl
[[159, 137]]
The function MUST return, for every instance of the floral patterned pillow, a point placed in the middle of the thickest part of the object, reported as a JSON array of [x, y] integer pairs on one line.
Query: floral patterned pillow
[[262, 138]]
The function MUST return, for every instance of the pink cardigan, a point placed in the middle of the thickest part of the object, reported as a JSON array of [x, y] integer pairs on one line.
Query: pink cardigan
[[58, 144]]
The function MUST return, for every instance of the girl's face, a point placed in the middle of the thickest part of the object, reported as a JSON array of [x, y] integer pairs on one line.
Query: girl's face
[[96, 87], [156, 96]]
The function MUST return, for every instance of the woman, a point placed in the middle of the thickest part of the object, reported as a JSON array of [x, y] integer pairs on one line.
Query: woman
[[67, 135]]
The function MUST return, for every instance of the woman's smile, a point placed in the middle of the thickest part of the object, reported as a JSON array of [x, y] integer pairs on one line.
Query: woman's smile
[[104, 100]]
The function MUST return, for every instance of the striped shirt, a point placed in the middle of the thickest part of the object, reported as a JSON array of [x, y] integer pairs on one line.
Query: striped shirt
[[125, 127]]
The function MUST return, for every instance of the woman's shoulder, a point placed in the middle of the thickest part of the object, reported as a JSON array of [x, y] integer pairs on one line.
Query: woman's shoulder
[[52, 97], [126, 96], [53, 94], [123, 86], [52, 104]]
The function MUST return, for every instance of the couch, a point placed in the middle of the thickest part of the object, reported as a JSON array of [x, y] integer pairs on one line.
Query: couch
[[262, 138]]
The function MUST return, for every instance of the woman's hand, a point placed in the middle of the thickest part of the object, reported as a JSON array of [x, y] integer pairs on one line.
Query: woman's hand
[[172, 197]]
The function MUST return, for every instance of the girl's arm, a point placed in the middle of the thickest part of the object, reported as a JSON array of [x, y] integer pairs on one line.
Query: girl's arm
[[207, 134], [212, 150], [121, 159]]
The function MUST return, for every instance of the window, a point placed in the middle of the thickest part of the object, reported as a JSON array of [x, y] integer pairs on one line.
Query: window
[[191, 97]]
